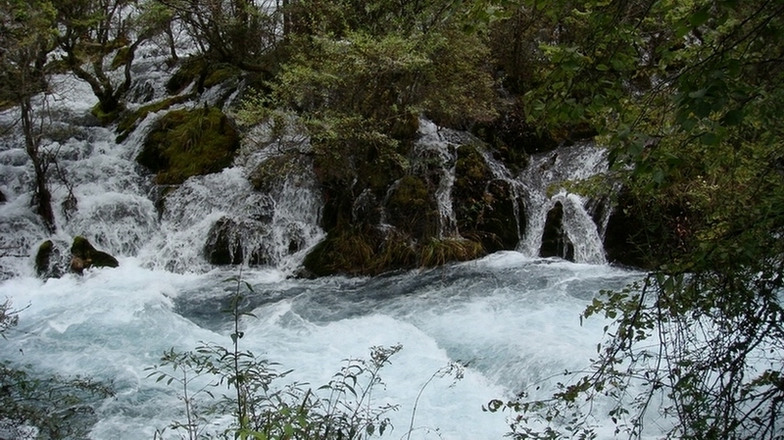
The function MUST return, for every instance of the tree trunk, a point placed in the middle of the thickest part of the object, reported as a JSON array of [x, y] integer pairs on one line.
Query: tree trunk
[[42, 199]]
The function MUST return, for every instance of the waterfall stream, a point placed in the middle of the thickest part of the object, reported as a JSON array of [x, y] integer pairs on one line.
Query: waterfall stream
[[511, 318]]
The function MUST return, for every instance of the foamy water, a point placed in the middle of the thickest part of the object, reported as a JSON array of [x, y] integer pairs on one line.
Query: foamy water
[[513, 321]]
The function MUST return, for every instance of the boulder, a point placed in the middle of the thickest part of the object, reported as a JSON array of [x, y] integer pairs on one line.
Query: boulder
[[185, 143], [84, 256], [47, 261], [555, 242]]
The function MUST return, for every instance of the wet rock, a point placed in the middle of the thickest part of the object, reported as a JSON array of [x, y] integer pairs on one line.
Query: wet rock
[[186, 143], [228, 242], [412, 208], [486, 208], [84, 256], [555, 242], [48, 262]]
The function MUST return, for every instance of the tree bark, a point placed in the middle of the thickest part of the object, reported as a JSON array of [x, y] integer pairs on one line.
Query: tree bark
[[42, 198]]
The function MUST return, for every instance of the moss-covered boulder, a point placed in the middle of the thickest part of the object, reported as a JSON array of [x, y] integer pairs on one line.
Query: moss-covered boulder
[[204, 73], [358, 251], [412, 208], [84, 256], [487, 209], [47, 261], [186, 143], [105, 118], [130, 120]]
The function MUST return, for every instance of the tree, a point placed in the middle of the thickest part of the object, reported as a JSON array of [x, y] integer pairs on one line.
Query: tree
[[90, 32], [27, 35], [237, 32], [688, 97]]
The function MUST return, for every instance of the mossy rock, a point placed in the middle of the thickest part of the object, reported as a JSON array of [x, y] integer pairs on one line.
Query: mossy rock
[[47, 261], [358, 251], [485, 206], [189, 71], [103, 117], [121, 57], [412, 208], [273, 171], [224, 245], [84, 255], [186, 143], [219, 73], [203, 72], [130, 120]]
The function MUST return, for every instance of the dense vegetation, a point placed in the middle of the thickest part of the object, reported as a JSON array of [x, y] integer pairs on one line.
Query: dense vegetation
[[686, 95]]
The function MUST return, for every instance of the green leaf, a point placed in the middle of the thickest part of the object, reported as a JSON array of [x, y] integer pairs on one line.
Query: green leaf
[[733, 117], [709, 138], [699, 18]]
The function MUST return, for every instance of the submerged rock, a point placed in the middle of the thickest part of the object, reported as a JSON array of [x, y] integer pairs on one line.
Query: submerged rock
[[84, 256]]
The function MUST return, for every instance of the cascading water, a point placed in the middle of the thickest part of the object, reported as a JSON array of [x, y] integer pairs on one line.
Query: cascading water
[[439, 145], [510, 318], [545, 174]]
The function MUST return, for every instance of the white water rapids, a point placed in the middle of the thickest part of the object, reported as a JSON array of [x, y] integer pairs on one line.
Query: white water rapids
[[513, 319]]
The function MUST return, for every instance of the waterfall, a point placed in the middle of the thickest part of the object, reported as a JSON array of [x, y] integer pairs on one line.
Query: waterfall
[[543, 180], [437, 147], [511, 319]]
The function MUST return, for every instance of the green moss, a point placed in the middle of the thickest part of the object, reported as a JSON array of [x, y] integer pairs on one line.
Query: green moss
[[121, 57], [411, 207], [131, 120], [103, 117], [203, 72], [44, 266], [189, 71], [358, 251], [437, 252], [187, 143], [484, 206], [219, 73], [274, 170]]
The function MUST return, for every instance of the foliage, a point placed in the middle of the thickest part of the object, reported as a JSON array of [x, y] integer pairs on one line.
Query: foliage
[[239, 32], [97, 37], [687, 95], [262, 410]]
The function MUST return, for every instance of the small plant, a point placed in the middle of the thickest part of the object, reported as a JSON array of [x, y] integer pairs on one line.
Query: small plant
[[262, 411]]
